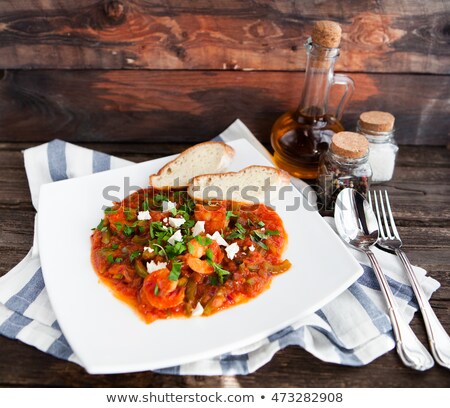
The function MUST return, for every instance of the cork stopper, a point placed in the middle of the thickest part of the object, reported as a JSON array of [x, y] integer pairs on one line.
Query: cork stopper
[[376, 121], [327, 34], [350, 145]]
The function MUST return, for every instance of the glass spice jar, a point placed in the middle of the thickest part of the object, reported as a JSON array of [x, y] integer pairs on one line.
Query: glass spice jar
[[378, 128], [345, 165]]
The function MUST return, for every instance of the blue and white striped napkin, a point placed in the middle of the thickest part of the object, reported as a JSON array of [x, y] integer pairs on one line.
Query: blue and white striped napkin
[[353, 329]]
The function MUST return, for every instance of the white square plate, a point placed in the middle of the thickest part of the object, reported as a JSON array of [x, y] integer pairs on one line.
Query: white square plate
[[109, 337]]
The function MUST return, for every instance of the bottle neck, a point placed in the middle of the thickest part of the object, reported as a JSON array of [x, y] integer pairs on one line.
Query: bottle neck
[[318, 80]]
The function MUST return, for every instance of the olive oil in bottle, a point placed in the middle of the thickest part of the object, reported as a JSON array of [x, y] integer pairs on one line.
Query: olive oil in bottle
[[300, 137]]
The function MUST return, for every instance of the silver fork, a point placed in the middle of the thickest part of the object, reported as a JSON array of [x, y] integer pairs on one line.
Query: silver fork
[[438, 338]]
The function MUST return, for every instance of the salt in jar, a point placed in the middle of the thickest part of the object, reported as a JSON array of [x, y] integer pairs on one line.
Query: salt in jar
[[378, 128]]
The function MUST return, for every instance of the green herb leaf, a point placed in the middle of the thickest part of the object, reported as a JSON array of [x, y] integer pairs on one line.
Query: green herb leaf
[[175, 271], [261, 224], [262, 245], [128, 230], [145, 206], [204, 241], [115, 246], [118, 276], [209, 254], [156, 290], [191, 248], [239, 232], [160, 197], [272, 232], [109, 211], [230, 214], [213, 280], [110, 258], [240, 228], [101, 225], [118, 225], [221, 273], [134, 255], [117, 260], [173, 211], [173, 251]]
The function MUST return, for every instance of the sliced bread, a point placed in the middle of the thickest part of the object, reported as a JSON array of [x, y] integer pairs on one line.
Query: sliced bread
[[208, 157], [249, 185]]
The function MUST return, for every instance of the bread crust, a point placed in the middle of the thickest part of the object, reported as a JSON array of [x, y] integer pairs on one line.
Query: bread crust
[[285, 178], [229, 152]]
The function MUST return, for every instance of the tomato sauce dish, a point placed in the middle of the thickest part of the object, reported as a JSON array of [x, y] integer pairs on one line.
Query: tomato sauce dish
[[168, 256]]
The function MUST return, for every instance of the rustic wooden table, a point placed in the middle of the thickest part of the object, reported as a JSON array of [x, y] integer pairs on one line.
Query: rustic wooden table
[[420, 196]]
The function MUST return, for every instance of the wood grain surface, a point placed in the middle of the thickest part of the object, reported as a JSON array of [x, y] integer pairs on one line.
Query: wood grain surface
[[379, 36], [176, 106], [420, 194]]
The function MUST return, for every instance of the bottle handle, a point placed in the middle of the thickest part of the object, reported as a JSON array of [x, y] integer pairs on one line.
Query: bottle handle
[[344, 80]]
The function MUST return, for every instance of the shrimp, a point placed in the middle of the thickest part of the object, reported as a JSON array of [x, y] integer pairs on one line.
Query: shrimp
[[197, 251], [160, 292], [215, 216]]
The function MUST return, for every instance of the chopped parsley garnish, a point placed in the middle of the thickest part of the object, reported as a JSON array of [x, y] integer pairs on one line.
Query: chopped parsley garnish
[[258, 236], [110, 211], [261, 224], [213, 280], [209, 254], [145, 206], [174, 250], [204, 241], [111, 259], [221, 273], [175, 271], [134, 255], [230, 214], [128, 230], [160, 197], [156, 290], [191, 248], [101, 226], [239, 232], [129, 213], [115, 246], [118, 225], [158, 249], [262, 245], [173, 211]]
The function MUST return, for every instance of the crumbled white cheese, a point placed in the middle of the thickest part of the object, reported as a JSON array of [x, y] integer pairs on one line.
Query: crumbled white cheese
[[168, 205], [263, 229], [251, 248], [176, 222], [232, 250], [148, 249], [198, 228], [144, 215], [218, 238], [153, 267], [165, 220], [175, 237], [198, 311]]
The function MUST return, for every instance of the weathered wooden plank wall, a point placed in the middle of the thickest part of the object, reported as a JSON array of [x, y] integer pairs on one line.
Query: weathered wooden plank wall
[[118, 70]]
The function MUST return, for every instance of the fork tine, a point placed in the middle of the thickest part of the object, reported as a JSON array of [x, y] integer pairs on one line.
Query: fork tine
[[391, 217], [380, 223], [386, 225]]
